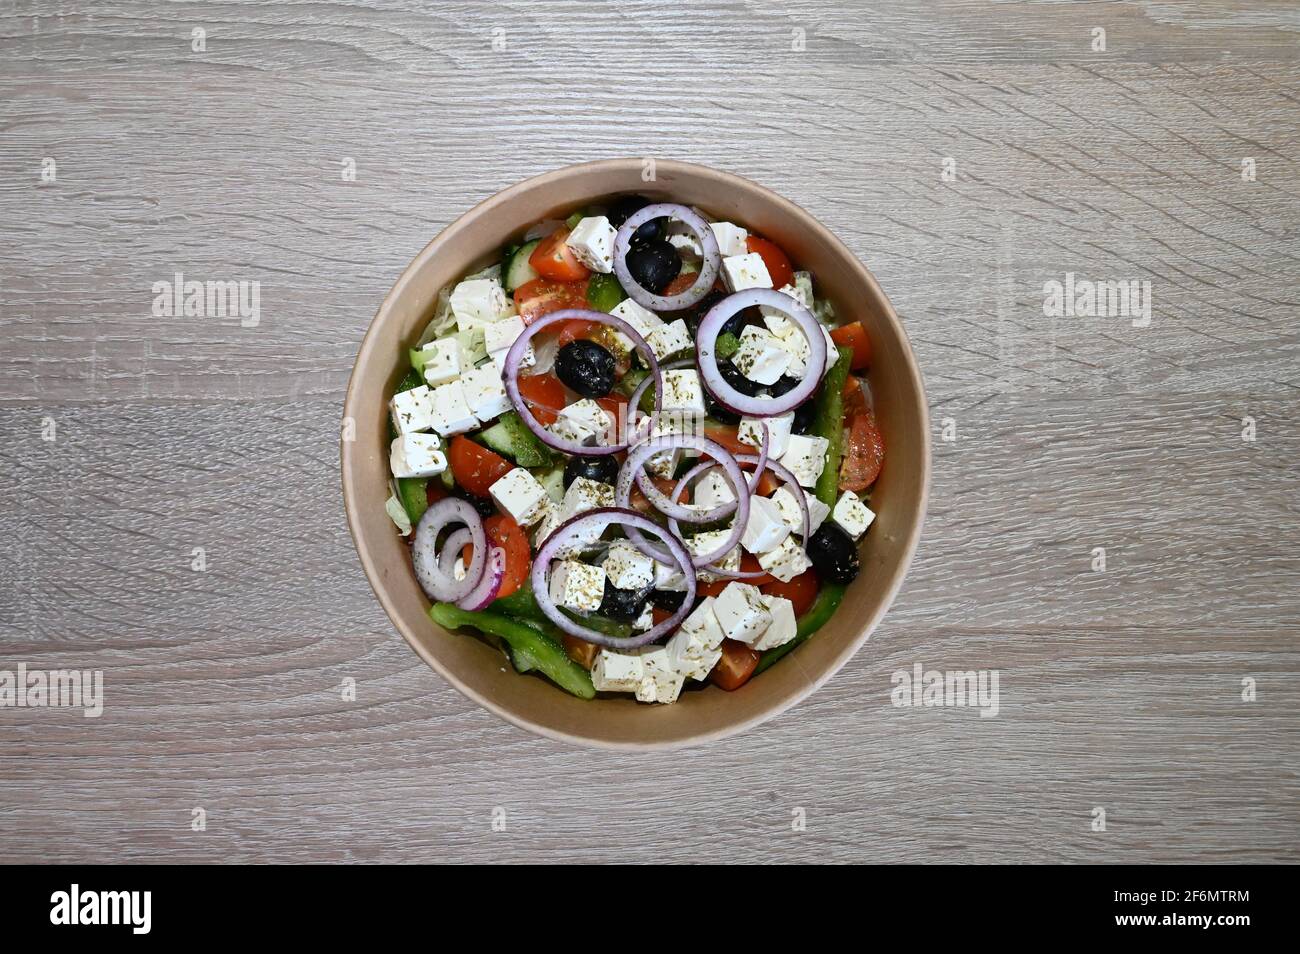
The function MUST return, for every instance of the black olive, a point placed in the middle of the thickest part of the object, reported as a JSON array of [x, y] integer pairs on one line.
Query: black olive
[[601, 469], [654, 264], [783, 385], [731, 374], [670, 600], [624, 206], [585, 367], [717, 411], [624, 605], [483, 505], [804, 417], [834, 555]]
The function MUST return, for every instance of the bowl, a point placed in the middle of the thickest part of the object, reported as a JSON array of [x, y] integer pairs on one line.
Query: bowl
[[481, 672]]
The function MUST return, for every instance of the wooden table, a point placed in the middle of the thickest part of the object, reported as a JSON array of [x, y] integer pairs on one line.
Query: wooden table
[[969, 152]]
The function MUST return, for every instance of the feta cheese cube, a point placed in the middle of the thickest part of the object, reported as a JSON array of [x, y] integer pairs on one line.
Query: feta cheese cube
[[485, 393], [731, 241], [805, 457], [778, 432], [583, 422], [416, 455], [741, 613], [776, 321], [669, 577], [498, 336], [693, 649], [745, 271], [783, 626], [617, 672], [627, 567], [584, 495], [645, 620], [703, 624], [479, 301], [519, 494], [412, 410], [789, 507], [642, 319], [765, 529], [661, 681], [713, 490], [592, 241], [451, 411], [703, 544], [687, 245], [668, 340], [441, 361], [761, 357], [546, 524], [577, 586], [683, 394], [786, 561], [852, 514], [664, 463]]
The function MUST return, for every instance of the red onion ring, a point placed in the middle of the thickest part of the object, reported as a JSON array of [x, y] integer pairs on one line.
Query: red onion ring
[[791, 480], [515, 356], [711, 259], [424, 556], [632, 521], [640, 453], [451, 548], [489, 585], [706, 339]]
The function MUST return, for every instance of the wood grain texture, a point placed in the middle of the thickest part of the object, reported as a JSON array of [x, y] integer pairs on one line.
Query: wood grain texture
[[1119, 689]]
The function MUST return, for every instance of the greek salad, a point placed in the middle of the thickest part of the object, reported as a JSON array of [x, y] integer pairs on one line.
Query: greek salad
[[636, 453]]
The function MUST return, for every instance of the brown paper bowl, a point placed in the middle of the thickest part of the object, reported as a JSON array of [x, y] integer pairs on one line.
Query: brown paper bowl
[[481, 672]]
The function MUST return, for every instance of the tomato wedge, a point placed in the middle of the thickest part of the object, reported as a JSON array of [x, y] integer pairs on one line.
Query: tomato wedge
[[504, 532], [801, 591], [855, 399], [578, 328], [553, 259], [474, 466], [777, 262], [864, 453], [542, 296], [854, 335], [737, 664], [544, 395]]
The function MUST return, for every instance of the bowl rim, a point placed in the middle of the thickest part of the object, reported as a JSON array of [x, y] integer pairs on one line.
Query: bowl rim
[[349, 462]]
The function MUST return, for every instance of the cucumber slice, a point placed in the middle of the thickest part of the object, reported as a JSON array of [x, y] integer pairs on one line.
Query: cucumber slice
[[572, 221], [511, 436], [553, 483], [604, 292], [415, 501], [516, 270]]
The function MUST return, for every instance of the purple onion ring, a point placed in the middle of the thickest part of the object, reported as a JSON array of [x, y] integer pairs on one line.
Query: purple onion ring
[[710, 262]]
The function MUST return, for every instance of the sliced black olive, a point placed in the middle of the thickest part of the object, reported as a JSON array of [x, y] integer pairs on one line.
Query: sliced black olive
[[654, 264], [670, 600], [585, 367], [483, 505], [623, 605], [717, 411], [624, 206], [782, 385], [804, 416], [834, 555], [731, 374], [601, 469]]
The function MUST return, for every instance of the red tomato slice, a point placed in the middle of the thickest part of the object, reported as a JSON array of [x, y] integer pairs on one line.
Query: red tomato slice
[[553, 259], [474, 466], [801, 591], [544, 395], [855, 399], [679, 284], [737, 664], [434, 491], [542, 296], [777, 262], [854, 335], [578, 328], [864, 454], [638, 499], [502, 531]]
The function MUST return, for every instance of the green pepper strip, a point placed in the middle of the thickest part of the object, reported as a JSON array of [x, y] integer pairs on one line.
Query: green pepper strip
[[523, 605], [532, 648], [828, 422], [410, 490]]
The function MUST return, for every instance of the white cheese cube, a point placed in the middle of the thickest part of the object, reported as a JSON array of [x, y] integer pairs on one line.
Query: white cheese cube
[[703, 544], [451, 411], [786, 561], [731, 241], [577, 586], [761, 357], [664, 463], [584, 422], [789, 506], [546, 524], [683, 394], [776, 321], [805, 457], [783, 627], [412, 410], [662, 682], [627, 567], [642, 319], [479, 301], [668, 340], [713, 490], [485, 393], [617, 672], [441, 361], [745, 271], [519, 494], [765, 529], [416, 455], [778, 432], [592, 241], [693, 649], [687, 245], [498, 336], [584, 495], [741, 613], [645, 620], [669, 577], [852, 514]]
